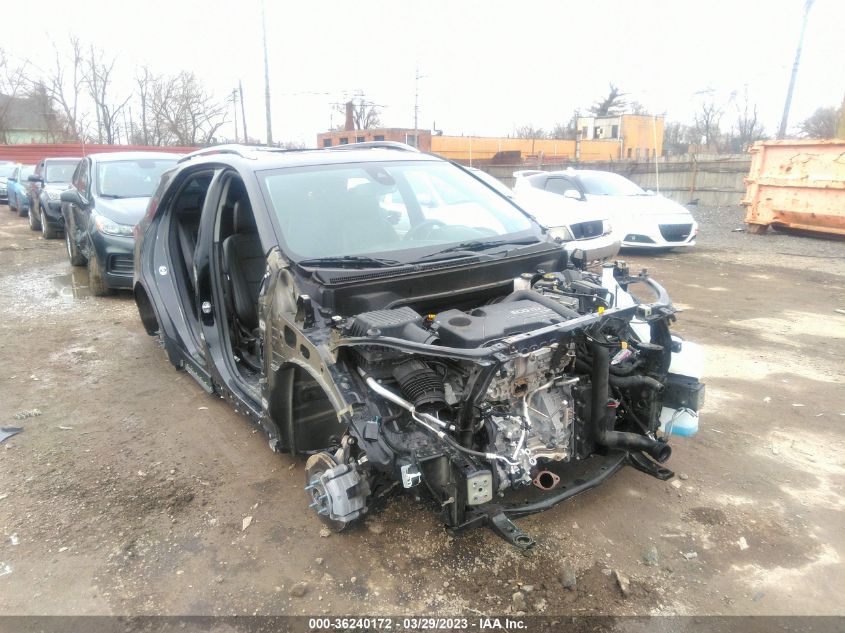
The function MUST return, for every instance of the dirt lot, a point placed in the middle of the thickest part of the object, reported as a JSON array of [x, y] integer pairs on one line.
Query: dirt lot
[[129, 493]]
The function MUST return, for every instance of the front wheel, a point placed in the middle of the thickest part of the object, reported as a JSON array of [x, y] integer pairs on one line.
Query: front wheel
[[96, 283], [76, 258], [34, 222], [48, 231]]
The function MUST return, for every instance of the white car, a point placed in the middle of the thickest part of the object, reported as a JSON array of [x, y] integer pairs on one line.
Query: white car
[[584, 233], [641, 219]]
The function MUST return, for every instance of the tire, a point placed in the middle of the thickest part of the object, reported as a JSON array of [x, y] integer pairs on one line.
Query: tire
[[48, 231], [34, 221], [23, 212], [96, 284], [74, 256]]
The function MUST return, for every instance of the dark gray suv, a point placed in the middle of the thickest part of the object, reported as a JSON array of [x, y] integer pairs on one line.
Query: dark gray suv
[[448, 349]]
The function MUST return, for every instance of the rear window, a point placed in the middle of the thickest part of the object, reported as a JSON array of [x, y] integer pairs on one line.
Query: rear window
[[599, 184]]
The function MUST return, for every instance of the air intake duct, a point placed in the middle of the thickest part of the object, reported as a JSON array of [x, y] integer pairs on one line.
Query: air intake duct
[[421, 385]]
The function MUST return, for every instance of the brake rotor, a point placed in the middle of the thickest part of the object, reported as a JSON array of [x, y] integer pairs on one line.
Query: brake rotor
[[317, 464]]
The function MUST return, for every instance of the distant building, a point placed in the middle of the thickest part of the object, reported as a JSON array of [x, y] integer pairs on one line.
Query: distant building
[[624, 137], [637, 136], [27, 120], [399, 134]]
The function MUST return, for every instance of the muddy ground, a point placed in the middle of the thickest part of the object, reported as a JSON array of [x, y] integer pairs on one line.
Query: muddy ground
[[130, 491]]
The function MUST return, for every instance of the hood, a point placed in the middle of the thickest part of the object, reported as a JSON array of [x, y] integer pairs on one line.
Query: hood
[[122, 210], [552, 209], [56, 187], [639, 205]]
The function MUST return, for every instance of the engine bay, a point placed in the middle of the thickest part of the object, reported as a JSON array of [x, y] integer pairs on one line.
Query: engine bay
[[538, 394]]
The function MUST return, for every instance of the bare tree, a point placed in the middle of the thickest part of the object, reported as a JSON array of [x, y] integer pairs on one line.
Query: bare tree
[[747, 127], [567, 130], [529, 131], [184, 112], [677, 138], [707, 121], [635, 107], [99, 77], [820, 124], [145, 83], [64, 85], [610, 105], [366, 115]]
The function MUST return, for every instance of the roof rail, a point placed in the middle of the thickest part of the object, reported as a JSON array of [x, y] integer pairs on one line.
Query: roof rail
[[402, 147], [230, 148]]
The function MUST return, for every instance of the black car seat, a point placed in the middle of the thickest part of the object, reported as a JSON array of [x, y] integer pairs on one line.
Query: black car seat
[[244, 265]]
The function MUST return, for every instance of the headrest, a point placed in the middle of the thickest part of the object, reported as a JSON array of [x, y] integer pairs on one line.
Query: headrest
[[244, 219]]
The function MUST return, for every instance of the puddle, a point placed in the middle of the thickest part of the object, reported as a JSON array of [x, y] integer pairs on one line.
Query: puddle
[[73, 285], [51, 289]]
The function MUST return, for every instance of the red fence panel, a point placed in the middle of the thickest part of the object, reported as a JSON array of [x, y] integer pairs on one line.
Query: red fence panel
[[31, 153]]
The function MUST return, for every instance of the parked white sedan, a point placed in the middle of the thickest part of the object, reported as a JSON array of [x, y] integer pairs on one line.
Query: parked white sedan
[[641, 219], [585, 233]]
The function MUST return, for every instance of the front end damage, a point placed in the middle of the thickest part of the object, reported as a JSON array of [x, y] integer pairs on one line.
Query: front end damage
[[506, 408]]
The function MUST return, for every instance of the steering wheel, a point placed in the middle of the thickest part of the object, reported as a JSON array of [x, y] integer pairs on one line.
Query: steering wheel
[[423, 229]]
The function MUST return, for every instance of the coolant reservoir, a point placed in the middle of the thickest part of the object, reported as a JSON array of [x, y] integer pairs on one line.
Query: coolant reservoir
[[678, 422]]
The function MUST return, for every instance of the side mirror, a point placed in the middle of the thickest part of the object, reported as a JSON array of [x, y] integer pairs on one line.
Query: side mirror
[[34, 178], [71, 196], [572, 194]]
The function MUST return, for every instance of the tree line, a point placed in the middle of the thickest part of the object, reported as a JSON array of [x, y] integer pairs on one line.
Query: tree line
[[79, 99]]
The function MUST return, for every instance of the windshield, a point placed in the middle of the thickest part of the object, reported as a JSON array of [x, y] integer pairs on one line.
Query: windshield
[[26, 171], [406, 209], [131, 178], [60, 172], [6, 169], [608, 184]]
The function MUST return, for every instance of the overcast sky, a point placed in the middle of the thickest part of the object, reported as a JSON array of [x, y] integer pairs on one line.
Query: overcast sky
[[488, 67]]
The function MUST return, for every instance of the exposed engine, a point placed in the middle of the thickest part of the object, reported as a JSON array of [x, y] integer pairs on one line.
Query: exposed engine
[[505, 396]]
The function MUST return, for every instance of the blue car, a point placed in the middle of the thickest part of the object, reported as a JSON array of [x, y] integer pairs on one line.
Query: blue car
[[18, 189], [6, 169]]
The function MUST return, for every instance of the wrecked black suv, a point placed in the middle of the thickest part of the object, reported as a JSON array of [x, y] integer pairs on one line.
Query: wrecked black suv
[[404, 325]]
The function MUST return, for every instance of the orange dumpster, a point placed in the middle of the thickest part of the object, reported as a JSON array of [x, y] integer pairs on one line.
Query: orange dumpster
[[796, 184]]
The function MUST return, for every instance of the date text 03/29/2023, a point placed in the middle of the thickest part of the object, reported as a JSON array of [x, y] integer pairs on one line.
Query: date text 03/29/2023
[[417, 624]]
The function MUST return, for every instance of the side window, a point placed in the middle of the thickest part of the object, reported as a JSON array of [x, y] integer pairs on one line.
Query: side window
[[559, 185], [81, 180]]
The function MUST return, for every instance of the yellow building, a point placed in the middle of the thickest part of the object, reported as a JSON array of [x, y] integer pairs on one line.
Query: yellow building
[[626, 136], [636, 136]]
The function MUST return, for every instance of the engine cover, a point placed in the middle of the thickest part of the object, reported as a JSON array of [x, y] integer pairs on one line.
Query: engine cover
[[491, 322]]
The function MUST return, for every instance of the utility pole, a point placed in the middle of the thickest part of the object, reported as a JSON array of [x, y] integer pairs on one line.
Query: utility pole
[[235, 104], [243, 112], [417, 77], [266, 79], [808, 4], [416, 106]]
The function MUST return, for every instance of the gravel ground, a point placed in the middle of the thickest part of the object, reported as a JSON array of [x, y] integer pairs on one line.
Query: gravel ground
[[130, 491]]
